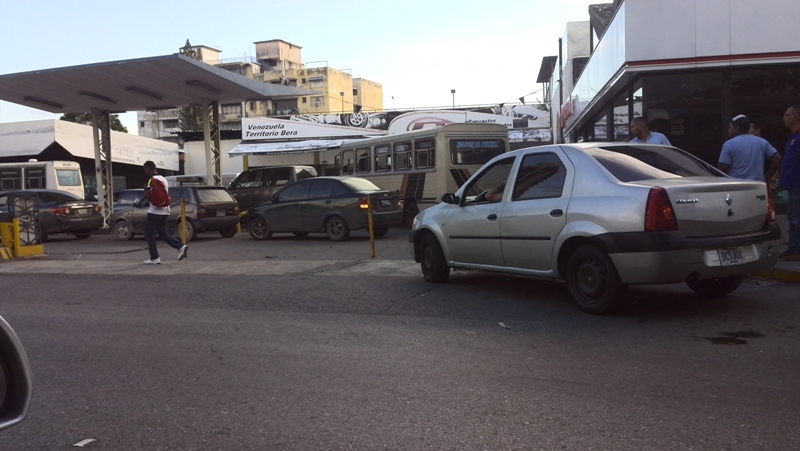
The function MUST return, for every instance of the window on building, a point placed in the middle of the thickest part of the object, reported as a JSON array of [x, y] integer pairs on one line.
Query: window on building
[[355, 91], [252, 106], [170, 125], [318, 101], [141, 124], [305, 99], [234, 108], [303, 81], [316, 82]]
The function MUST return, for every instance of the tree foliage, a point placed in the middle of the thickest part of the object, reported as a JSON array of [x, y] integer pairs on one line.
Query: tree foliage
[[86, 118], [189, 118]]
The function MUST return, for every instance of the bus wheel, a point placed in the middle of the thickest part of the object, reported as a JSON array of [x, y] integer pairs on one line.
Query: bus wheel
[[411, 211]]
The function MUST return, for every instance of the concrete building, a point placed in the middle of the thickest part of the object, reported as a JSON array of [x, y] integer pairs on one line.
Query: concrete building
[[277, 62], [687, 66]]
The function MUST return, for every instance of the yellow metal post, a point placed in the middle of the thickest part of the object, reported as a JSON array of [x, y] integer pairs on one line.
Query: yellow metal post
[[22, 251], [183, 220], [371, 231]]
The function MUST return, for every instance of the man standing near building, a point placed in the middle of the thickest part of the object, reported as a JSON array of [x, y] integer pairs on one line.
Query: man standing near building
[[790, 181], [641, 133], [744, 155]]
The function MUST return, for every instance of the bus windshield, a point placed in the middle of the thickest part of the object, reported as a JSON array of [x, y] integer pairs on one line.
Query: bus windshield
[[68, 177], [475, 151]]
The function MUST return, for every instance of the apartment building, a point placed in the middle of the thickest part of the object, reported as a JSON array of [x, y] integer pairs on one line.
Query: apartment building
[[278, 62]]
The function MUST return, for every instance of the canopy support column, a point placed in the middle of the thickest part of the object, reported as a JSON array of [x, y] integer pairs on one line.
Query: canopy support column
[[211, 139], [101, 131]]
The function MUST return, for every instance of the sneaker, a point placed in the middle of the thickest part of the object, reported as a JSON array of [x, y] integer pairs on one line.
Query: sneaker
[[182, 252], [791, 258], [152, 262]]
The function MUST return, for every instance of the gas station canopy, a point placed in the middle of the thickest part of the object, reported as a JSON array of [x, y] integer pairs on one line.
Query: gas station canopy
[[154, 83]]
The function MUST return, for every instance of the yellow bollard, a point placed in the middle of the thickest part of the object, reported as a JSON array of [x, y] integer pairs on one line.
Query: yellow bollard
[[371, 231], [183, 220]]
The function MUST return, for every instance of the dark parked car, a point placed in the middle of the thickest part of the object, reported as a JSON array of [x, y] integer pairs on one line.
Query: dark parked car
[[256, 185], [332, 205], [208, 209], [59, 212]]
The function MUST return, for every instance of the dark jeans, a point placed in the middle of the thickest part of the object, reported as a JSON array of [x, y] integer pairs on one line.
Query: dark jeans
[[157, 225], [793, 215]]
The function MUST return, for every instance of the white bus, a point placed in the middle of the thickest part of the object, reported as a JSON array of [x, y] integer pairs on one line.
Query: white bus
[[424, 164], [61, 175]]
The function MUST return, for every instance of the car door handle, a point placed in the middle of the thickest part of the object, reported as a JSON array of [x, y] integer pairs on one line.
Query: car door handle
[[557, 212], [492, 217]]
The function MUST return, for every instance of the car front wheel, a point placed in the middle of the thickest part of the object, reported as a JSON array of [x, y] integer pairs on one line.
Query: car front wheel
[[434, 266], [191, 231], [123, 231], [715, 288], [593, 281], [259, 229], [337, 229]]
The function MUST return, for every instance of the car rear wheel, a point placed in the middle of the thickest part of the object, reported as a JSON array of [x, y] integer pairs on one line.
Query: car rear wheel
[[337, 229], [259, 229], [229, 232], [191, 231], [123, 231], [83, 236], [434, 266], [593, 281], [380, 231], [715, 288]]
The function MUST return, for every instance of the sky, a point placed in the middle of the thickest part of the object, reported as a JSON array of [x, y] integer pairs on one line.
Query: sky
[[418, 50]]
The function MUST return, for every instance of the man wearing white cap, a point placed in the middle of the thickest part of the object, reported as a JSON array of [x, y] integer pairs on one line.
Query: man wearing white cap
[[744, 155]]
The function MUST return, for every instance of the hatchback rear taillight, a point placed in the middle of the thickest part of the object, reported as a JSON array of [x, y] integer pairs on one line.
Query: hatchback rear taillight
[[363, 203], [770, 204], [201, 213], [98, 209], [658, 215]]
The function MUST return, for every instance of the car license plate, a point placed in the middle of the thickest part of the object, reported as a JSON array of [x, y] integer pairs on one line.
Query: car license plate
[[81, 211], [385, 203], [731, 256], [220, 212]]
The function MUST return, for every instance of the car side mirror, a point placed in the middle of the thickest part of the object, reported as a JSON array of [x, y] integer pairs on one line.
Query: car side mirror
[[450, 198], [15, 371]]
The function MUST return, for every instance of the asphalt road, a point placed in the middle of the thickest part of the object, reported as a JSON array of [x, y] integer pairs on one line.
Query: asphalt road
[[304, 344]]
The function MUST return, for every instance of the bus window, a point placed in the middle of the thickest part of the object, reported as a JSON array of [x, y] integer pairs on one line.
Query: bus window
[[362, 160], [69, 177], [10, 179], [402, 157], [475, 151], [383, 159], [347, 162], [35, 178], [424, 151]]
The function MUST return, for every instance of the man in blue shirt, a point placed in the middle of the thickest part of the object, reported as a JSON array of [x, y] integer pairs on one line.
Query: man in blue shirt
[[641, 133], [790, 181], [744, 155]]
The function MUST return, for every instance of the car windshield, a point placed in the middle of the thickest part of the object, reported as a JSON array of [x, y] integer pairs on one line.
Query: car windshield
[[633, 163], [360, 185], [208, 195]]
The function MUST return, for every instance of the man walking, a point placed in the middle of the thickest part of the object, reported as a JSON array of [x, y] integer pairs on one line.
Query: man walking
[[790, 181], [641, 133], [744, 155], [157, 216]]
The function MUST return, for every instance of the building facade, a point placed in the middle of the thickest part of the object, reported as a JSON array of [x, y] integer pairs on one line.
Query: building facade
[[686, 66], [277, 62]]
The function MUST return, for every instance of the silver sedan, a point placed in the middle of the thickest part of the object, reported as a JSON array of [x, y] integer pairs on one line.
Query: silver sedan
[[602, 216]]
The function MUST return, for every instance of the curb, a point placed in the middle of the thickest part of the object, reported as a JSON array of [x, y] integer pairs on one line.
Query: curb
[[780, 275]]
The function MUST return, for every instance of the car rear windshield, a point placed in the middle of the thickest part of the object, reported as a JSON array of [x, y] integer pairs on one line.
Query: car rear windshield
[[633, 163], [210, 195], [360, 185]]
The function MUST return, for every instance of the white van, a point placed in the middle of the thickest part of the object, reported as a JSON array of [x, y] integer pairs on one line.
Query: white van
[[60, 175]]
